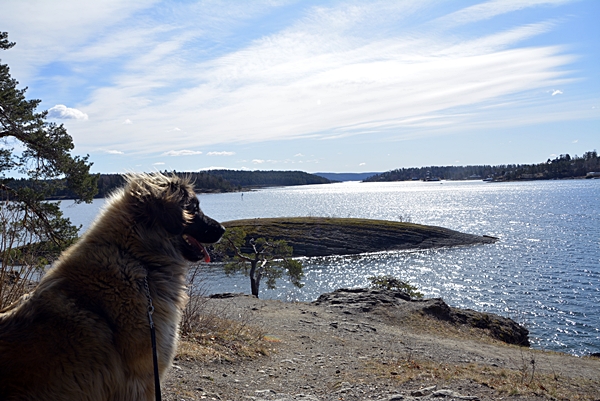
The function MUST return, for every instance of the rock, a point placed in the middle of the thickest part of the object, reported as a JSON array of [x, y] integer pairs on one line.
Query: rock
[[361, 300], [452, 394], [318, 236], [423, 392], [225, 295], [500, 328]]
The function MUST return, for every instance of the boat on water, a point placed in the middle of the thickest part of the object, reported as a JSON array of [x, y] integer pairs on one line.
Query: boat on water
[[429, 177]]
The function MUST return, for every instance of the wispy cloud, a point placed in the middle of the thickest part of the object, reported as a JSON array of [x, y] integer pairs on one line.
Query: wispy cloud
[[114, 152], [489, 9], [62, 112], [557, 92], [360, 68], [184, 152]]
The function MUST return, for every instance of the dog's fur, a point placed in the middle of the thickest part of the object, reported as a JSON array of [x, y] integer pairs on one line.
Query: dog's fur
[[83, 333]]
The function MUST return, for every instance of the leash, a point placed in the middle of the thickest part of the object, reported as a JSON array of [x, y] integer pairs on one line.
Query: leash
[[153, 337]]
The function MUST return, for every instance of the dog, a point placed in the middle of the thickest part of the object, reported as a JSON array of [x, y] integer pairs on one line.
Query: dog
[[84, 334]]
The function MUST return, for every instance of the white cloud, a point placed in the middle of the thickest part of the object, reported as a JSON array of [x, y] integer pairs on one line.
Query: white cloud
[[493, 8], [367, 86], [220, 153], [183, 152], [212, 168], [47, 31], [298, 155], [258, 161], [362, 164], [335, 71], [557, 92], [158, 164], [114, 152], [62, 112]]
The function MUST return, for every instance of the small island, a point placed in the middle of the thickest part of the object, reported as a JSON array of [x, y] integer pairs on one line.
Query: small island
[[326, 236]]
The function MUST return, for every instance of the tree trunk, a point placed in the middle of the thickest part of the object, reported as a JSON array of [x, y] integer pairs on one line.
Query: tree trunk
[[254, 278]]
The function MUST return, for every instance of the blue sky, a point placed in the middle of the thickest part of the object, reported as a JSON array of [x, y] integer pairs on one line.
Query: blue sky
[[329, 86]]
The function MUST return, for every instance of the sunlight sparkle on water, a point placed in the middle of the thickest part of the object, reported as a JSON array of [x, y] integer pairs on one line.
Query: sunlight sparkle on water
[[544, 271]]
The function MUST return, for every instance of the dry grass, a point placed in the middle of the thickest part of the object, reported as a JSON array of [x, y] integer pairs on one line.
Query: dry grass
[[428, 325], [525, 378], [212, 334], [219, 339], [522, 380]]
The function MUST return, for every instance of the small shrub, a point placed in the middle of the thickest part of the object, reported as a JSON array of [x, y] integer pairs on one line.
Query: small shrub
[[392, 283]]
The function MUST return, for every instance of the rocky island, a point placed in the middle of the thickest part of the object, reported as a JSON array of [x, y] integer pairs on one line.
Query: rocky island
[[325, 236]]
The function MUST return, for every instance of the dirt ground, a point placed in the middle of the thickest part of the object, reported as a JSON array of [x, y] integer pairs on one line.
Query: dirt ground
[[325, 353]]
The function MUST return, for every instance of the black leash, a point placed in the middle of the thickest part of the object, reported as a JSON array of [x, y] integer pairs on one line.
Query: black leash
[[153, 337]]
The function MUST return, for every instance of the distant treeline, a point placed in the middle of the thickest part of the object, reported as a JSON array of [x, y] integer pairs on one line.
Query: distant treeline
[[206, 181], [563, 166], [268, 178], [203, 182]]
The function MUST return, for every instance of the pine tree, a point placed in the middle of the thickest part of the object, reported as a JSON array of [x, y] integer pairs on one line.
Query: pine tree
[[32, 230], [259, 258]]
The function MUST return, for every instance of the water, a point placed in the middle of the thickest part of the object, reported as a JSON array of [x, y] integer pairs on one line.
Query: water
[[544, 271]]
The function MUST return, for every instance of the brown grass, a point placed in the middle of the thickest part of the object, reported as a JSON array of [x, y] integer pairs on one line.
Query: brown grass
[[428, 325], [212, 334], [524, 379], [505, 381], [218, 338]]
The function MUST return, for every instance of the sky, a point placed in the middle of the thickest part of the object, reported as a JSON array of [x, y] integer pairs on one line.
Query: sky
[[317, 86]]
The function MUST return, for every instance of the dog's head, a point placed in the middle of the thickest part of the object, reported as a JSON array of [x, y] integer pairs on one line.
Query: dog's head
[[170, 203]]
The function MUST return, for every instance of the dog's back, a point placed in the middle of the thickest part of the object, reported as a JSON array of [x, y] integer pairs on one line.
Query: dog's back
[[71, 339], [83, 334], [50, 348]]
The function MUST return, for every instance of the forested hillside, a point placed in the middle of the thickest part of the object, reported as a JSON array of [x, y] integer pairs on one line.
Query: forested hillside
[[563, 166], [206, 181], [268, 178], [203, 182]]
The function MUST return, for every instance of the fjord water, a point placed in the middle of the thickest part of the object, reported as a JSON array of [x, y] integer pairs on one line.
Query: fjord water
[[544, 271]]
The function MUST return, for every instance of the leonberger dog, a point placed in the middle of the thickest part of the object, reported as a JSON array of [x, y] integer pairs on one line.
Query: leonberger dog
[[84, 333]]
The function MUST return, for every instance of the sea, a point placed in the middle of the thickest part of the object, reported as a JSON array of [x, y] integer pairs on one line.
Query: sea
[[544, 272]]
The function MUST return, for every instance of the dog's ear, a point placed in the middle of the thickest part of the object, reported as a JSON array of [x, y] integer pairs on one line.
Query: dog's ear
[[157, 200], [167, 214]]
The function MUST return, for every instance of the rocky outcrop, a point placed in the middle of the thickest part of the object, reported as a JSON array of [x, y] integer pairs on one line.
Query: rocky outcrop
[[318, 236], [398, 303]]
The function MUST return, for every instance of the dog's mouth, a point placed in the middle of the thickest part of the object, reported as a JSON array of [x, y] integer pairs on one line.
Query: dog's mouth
[[197, 247]]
